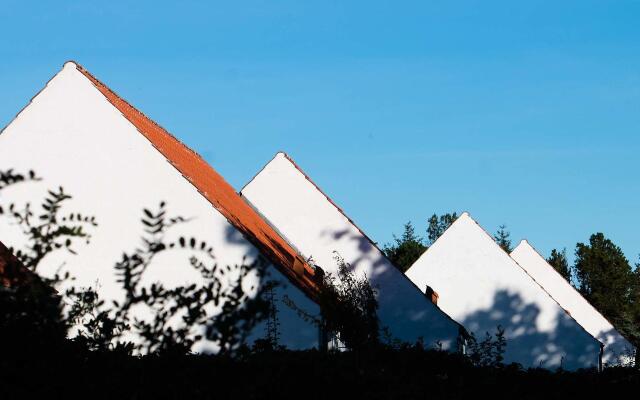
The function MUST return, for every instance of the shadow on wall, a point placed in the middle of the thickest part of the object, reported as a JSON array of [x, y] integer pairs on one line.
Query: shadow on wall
[[403, 307], [566, 346], [367, 253], [282, 326], [618, 351]]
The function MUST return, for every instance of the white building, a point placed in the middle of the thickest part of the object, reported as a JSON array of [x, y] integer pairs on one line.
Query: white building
[[617, 350], [114, 161], [482, 287], [317, 227]]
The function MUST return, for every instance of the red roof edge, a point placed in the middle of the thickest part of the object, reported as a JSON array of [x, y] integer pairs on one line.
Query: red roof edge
[[217, 191]]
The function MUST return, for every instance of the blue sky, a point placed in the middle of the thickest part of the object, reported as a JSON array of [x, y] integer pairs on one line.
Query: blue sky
[[524, 113]]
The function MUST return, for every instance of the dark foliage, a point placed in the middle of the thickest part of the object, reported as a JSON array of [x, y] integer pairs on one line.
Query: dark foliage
[[490, 351], [410, 373], [502, 237], [10, 177], [606, 279], [558, 260], [31, 319], [36, 359], [439, 224], [348, 308], [406, 249], [175, 317]]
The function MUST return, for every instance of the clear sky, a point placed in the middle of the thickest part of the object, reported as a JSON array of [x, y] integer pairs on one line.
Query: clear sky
[[520, 112]]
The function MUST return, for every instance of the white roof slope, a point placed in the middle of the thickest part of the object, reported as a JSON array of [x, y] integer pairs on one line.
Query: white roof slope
[[482, 287], [309, 220], [617, 349], [114, 161]]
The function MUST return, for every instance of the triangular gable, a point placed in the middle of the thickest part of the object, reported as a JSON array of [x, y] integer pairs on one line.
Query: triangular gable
[[115, 161], [309, 219], [617, 348], [214, 188], [482, 287]]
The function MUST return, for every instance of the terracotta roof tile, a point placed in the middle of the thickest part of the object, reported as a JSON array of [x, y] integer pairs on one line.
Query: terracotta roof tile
[[219, 193], [12, 272]]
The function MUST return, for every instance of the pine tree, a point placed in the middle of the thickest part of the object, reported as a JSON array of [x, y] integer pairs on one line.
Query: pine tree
[[406, 249], [605, 278], [437, 225], [502, 237], [558, 260]]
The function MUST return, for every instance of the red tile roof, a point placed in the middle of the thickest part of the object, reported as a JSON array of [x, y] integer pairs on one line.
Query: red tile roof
[[12, 272], [219, 193]]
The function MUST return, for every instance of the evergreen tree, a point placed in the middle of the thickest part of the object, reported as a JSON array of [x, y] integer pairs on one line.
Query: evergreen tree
[[406, 249], [632, 320], [558, 260], [605, 278], [437, 225], [503, 239]]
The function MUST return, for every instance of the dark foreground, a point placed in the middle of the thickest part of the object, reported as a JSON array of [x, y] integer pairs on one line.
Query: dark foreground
[[72, 372]]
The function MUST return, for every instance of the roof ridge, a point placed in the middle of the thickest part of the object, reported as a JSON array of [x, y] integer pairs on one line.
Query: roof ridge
[[523, 270], [374, 244], [213, 187], [332, 202], [571, 286], [135, 109]]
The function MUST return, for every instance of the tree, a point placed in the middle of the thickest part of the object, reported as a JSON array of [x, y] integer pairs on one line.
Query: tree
[[174, 317], [502, 237], [490, 351], [406, 249], [605, 277], [348, 307], [410, 246], [558, 260], [439, 224]]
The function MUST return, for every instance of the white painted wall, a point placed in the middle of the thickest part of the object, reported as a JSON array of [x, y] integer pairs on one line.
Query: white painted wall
[[482, 287], [617, 349], [308, 220], [73, 137]]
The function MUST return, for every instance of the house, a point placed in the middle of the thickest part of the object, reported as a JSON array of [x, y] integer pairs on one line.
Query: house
[[306, 217], [483, 288], [12, 272], [115, 161], [617, 349]]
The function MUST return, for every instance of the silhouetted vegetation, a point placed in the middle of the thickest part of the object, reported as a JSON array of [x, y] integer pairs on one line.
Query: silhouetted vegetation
[[503, 238], [149, 318], [439, 224], [490, 351], [114, 352], [606, 278], [348, 308], [406, 249], [558, 260], [601, 272]]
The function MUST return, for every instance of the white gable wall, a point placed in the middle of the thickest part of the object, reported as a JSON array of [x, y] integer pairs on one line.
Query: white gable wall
[[617, 349], [482, 287], [309, 221], [73, 137]]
